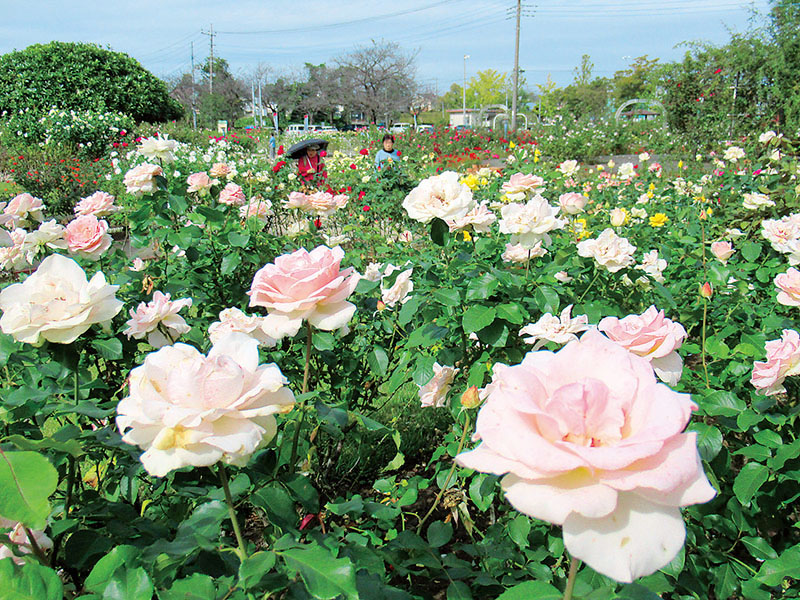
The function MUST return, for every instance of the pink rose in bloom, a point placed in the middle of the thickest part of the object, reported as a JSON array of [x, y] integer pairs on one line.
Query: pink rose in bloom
[[653, 337], [87, 237], [783, 360], [517, 253], [521, 186], [789, 285], [588, 439], [219, 170], [19, 537], [24, 207], [233, 320], [142, 179], [434, 393], [260, 208], [572, 203], [98, 204], [158, 320], [323, 203], [199, 183], [232, 195], [722, 251], [296, 200], [304, 285], [188, 409]]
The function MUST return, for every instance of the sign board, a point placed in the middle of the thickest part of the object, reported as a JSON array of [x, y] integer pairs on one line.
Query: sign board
[[222, 127]]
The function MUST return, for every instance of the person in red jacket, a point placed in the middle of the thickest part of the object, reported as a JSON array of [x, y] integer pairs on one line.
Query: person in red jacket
[[311, 167]]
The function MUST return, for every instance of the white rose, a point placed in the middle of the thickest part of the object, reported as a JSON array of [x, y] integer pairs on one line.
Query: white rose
[[609, 250], [440, 196]]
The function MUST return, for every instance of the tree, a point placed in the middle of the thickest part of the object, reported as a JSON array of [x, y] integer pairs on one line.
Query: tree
[[784, 60], [82, 77], [227, 99], [381, 79], [640, 80]]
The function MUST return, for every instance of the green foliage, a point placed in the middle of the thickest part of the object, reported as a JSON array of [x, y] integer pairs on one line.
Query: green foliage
[[81, 77]]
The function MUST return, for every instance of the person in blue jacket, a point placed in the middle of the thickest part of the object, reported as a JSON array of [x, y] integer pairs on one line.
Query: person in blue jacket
[[387, 154]]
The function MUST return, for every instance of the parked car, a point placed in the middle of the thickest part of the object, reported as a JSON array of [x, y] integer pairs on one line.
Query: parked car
[[424, 127], [400, 127]]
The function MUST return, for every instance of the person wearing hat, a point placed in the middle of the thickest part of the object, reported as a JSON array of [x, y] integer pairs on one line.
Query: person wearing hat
[[311, 166]]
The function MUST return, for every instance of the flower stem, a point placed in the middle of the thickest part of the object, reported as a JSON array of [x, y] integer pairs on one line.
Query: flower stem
[[703, 345], [223, 477], [37, 550], [449, 476], [296, 438], [591, 283], [574, 565]]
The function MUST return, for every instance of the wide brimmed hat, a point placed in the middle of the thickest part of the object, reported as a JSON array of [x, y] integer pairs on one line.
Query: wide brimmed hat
[[298, 150]]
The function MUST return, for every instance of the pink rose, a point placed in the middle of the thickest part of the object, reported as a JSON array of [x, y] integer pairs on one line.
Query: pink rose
[[722, 251], [522, 186], [232, 195], [588, 439], [219, 170], [789, 285], [434, 393], [24, 207], [87, 237], [199, 183], [572, 203], [479, 218], [304, 285], [653, 337], [19, 537], [98, 204], [259, 208], [142, 179], [783, 360], [158, 320], [297, 200]]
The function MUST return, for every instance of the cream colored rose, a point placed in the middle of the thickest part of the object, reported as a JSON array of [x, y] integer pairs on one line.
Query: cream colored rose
[[142, 179], [158, 147], [56, 303], [440, 196], [609, 250]]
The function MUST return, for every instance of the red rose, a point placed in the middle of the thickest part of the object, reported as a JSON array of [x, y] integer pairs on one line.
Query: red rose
[[363, 152], [365, 208]]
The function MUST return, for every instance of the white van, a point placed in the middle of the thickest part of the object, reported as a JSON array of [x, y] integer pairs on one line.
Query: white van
[[400, 127]]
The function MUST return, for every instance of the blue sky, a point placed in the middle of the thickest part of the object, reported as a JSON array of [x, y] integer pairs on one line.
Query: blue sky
[[286, 34]]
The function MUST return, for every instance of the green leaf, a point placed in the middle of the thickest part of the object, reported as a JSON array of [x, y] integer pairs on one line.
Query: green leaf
[[29, 581], [635, 591], [27, 479], [104, 569], [110, 349], [439, 533], [773, 572], [477, 317], [278, 505], [325, 577], [195, 587], [511, 313], [129, 584], [768, 438], [531, 590], [322, 340], [546, 299], [229, 263], [725, 582], [518, 530], [709, 440], [458, 590], [752, 476], [238, 240], [759, 548], [751, 251], [440, 232], [482, 287], [447, 296], [721, 403], [254, 567], [410, 309], [378, 361], [718, 274]]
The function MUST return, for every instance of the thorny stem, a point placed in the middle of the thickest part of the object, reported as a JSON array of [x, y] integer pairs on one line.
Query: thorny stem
[[591, 283], [449, 476], [703, 346], [37, 550], [223, 477], [305, 389], [574, 564]]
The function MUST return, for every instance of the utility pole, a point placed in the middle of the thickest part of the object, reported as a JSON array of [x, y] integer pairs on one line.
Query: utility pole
[[464, 94], [516, 72], [260, 107], [211, 35], [253, 102], [194, 93]]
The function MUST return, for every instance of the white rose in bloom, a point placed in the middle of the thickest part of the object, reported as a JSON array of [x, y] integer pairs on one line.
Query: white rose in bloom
[[434, 393], [530, 223], [782, 234], [150, 318], [756, 201], [400, 290], [653, 266], [560, 329], [517, 253], [644, 157], [521, 186], [158, 147], [23, 207], [373, 272], [609, 251], [480, 218], [572, 203], [49, 235], [733, 153], [618, 216], [12, 252], [187, 409], [563, 277], [569, 168], [440, 196], [56, 303], [142, 179], [626, 171], [234, 320], [768, 136]]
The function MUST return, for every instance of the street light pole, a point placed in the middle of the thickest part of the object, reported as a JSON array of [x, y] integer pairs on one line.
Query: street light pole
[[464, 94], [516, 72]]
